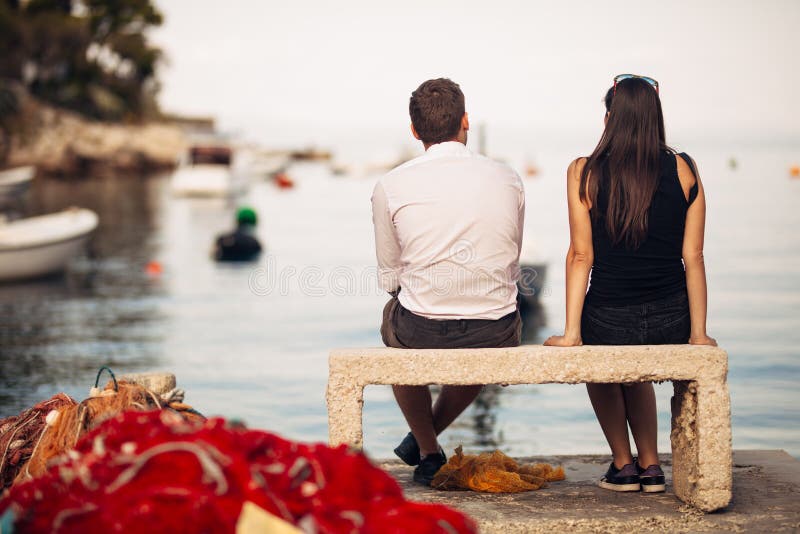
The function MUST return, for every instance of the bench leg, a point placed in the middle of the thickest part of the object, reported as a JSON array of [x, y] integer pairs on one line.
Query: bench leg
[[345, 403], [702, 459]]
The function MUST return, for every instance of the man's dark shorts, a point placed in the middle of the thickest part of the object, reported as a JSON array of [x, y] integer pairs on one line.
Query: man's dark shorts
[[405, 330]]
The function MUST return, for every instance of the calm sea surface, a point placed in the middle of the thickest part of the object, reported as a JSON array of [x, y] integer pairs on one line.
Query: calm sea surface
[[251, 341]]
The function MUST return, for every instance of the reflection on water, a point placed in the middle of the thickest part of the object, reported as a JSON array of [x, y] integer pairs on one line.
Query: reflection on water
[[260, 354], [477, 427], [483, 417], [56, 331]]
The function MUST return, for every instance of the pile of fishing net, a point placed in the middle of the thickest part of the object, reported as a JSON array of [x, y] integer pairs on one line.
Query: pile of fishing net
[[19, 435], [493, 473], [29, 440], [158, 472]]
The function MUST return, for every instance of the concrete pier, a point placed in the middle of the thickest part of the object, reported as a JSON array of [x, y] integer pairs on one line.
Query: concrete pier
[[766, 498]]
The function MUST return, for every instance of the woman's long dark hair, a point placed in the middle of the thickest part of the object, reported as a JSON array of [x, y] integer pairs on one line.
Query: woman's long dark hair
[[629, 151]]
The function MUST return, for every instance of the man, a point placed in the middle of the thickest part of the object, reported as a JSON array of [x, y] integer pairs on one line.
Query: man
[[448, 232], [240, 244]]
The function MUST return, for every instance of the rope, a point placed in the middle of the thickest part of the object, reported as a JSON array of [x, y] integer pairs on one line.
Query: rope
[[38, 441], [81, 415], [154, 397], [114, 378], [173, 395], [211, 468], [63, 515]]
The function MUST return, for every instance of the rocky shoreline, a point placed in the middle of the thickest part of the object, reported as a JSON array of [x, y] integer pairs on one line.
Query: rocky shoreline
[[63, 143]]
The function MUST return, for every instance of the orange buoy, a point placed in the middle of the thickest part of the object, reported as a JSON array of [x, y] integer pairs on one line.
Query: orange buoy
[[794, 171], [153, 268], [283, 181], [531, 170]]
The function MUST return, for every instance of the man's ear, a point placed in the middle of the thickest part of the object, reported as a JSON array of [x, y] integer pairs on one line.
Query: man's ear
[[465, 122], [414, 133], [605, 120]]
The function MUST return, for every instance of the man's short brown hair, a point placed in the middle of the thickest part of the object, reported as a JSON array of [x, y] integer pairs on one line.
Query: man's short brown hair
[[436, 109]]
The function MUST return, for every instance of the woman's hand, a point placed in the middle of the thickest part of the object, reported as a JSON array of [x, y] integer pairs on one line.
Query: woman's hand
[[703, 340], [563, 341]]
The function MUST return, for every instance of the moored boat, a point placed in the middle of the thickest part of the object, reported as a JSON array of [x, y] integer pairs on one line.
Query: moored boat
[[14, 182], [207, 171], [37, 246]]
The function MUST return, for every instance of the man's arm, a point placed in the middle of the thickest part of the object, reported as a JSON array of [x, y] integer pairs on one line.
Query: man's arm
[[387, 249], [515, 274]]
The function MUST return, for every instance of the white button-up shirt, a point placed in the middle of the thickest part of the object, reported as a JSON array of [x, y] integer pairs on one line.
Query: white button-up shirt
[[448, 232]]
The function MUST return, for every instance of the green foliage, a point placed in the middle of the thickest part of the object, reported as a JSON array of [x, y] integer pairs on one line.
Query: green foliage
[[91, 56]]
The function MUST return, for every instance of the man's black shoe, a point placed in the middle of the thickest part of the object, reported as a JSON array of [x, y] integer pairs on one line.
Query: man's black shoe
[[428, 467], [408, 450]]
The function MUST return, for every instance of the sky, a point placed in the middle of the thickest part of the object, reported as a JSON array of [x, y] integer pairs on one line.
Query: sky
[[325, 72]]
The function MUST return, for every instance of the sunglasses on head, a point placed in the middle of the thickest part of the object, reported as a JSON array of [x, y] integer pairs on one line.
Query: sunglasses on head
[[619, 77]]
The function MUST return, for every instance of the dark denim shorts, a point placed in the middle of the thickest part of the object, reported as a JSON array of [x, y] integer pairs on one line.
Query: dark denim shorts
[[660, 322]]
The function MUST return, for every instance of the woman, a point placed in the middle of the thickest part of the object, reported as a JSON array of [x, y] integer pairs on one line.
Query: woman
[[637, 217]]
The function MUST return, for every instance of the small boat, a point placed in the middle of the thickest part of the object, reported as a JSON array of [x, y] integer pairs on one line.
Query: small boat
[[267, 165], [37, 246], [206, 172], [15, 182]]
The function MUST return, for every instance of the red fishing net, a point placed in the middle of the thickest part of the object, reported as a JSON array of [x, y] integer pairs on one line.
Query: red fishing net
[[29, 440], [157, 472]]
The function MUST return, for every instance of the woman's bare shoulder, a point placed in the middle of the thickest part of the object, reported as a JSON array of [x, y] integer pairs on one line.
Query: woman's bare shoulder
[[576, 167]]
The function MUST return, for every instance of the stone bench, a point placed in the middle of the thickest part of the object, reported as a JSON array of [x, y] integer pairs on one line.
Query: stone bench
[[701, 423]]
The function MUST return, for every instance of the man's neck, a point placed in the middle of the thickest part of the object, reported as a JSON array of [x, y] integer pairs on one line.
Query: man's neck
[[454, 140]]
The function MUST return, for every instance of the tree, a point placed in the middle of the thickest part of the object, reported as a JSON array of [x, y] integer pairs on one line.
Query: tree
[[91, 56]]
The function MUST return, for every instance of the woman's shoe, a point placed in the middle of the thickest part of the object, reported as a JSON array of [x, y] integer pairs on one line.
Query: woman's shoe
[[625, 479], [652, 479], [408, 450]]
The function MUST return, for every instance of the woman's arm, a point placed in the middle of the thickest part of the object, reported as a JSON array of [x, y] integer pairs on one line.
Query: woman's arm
[[579, 258], [695, 266]]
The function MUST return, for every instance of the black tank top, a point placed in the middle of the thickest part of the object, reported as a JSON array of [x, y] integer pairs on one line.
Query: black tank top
[[623, 276]]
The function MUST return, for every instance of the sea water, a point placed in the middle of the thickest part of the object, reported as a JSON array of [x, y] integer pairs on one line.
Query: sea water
[[251, 341]]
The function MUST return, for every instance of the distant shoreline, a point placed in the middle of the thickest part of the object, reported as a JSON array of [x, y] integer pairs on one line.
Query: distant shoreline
[[65, 144]]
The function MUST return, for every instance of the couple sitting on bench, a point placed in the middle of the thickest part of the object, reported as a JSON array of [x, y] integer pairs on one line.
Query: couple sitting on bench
[[448, 233]]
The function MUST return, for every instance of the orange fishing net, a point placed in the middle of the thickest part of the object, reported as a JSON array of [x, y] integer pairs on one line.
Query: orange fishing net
[[66, 426], [493, 473], [19, 435]]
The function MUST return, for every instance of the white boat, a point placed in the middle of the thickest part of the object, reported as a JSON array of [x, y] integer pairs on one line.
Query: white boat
[[206, 171], [14, 182], [37, 246]]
